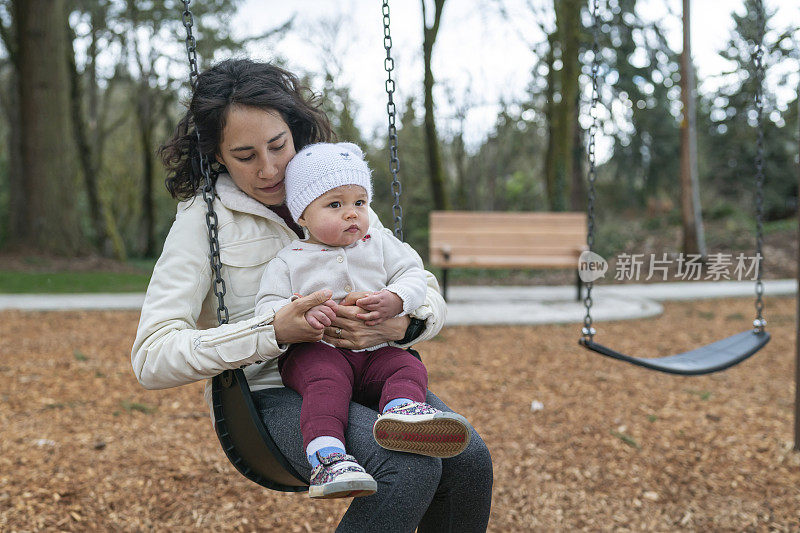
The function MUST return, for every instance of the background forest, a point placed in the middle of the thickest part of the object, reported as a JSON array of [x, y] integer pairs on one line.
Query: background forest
[[79, 172]]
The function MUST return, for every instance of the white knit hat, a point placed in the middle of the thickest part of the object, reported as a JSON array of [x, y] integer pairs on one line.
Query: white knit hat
[[318, 168]]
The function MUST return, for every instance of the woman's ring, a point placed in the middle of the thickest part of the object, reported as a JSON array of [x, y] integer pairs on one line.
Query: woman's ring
[[339, 332]]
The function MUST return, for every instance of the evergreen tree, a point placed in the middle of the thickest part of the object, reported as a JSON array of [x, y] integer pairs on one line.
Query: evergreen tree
[[506, 171], [730, 135], [641, 72], [416, 198]]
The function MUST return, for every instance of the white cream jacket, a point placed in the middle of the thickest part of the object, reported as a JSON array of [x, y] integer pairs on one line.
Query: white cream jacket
[[178, 340]]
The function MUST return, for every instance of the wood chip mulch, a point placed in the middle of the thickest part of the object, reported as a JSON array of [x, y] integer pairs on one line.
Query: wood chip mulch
[[579, 442]]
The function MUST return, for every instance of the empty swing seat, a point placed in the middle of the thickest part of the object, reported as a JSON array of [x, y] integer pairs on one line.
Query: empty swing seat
[[704, 360]]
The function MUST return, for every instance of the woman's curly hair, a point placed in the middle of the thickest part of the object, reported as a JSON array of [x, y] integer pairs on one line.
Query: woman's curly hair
[[237, 82]]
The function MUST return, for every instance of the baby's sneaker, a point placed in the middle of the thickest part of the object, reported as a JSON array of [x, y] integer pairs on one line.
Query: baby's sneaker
[[339, 476], [420, 428]]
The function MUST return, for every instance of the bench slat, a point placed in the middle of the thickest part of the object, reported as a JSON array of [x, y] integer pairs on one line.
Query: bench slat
[[534, 227], [507, 261], [507, 217], [506, 240], [566, 242], [530, 251], [485, 232]]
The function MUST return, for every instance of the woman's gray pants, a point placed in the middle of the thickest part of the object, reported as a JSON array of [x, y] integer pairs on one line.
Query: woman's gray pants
[[436, 495]]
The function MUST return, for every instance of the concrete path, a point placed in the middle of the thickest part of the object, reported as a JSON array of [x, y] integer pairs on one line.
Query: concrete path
[[487, 305], [553, 305], [71, 302]]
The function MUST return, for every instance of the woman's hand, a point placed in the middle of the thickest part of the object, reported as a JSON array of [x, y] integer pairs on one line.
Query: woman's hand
[[290, 322], [348, 331]]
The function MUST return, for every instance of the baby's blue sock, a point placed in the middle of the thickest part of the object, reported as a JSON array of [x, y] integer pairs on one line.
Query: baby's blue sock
[[394, 403], [325, 446]]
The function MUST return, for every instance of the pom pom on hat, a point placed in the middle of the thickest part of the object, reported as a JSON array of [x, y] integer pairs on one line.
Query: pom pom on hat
[[318, 168]]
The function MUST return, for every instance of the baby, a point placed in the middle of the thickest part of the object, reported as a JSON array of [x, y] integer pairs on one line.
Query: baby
[[328, 191]]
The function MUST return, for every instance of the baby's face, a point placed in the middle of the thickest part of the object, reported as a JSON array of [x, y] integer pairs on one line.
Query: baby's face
[[337, 218]]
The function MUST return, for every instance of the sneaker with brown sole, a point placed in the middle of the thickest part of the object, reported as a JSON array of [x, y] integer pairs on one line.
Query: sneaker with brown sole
[[419, 428]]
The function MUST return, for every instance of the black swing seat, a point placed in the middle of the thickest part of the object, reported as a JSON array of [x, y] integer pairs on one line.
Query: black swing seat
[[704, 360], [246, 441]]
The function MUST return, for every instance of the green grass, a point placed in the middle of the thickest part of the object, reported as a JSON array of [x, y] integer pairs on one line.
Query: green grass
[[72, 282], [777, 226], [703, 395], [136, 406], [627, 439]]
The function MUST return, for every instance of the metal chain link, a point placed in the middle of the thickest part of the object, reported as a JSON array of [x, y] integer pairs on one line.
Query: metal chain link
[[588, 331], [759, 323], [209, 191], [191, 43], [394, 162]]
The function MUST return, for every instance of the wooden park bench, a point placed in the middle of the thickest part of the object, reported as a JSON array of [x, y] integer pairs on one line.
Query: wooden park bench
[[488, 239]]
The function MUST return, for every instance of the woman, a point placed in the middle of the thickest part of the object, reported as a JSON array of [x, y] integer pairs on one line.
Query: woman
[[252, 118]]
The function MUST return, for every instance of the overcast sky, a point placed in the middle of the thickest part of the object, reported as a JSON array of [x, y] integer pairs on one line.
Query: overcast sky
[[479, 58]]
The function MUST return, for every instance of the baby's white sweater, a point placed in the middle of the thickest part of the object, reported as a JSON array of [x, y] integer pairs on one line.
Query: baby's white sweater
[[375, 262]]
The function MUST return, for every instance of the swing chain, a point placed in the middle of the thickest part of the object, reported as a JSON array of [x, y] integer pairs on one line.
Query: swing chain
[[588, 331], [394, 162], [212, 223], [191, 43], [759, 323]]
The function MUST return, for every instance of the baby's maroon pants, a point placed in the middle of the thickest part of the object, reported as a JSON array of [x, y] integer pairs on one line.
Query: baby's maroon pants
[[328, 378]]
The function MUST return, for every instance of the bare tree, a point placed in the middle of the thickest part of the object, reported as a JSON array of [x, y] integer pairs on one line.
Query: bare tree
[[440, 200], [693, 235], [564, 112], [93, 123], [331, 37], [458, 149]]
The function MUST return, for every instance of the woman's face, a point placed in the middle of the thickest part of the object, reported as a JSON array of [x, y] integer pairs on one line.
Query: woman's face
[[256, 146]]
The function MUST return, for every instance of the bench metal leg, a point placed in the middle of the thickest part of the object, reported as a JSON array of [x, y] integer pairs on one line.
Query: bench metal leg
[[444, 284]]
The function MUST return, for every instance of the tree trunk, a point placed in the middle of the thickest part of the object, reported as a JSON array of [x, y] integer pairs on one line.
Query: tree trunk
[[438, 189], [578, 189], [568, 27], [145, 121], [460, 156], [693, 235], [551, 118], [797, 315], [15, 219], [9, 99], [84, 147], [49, 177], [145, 110]]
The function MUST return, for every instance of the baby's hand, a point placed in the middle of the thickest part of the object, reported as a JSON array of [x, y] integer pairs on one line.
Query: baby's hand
[[380, 306], [321, 315]]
